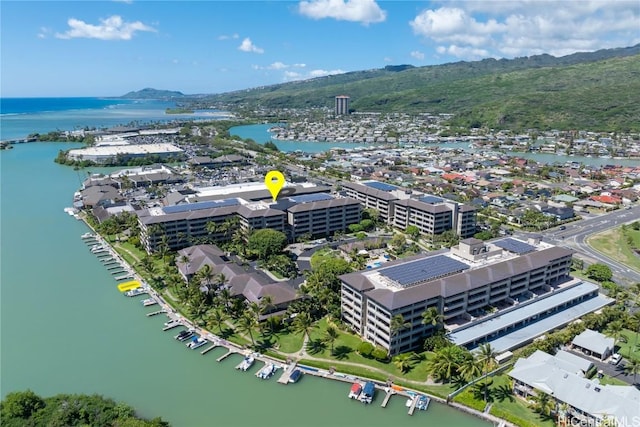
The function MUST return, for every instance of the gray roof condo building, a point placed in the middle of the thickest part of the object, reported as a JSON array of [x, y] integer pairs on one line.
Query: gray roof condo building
[[398, 207], [463, 284], [587, 401], [185, 224]]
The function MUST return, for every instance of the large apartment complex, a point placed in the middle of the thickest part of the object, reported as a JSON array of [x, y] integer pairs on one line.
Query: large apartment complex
[[485, 291], [401, 208], [183, 224]]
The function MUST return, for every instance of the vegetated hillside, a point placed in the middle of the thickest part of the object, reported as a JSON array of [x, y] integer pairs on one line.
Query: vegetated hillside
[[150, 93], [597, 90]]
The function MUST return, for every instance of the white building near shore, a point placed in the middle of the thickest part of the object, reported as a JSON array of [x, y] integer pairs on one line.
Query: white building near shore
[[106, 153]]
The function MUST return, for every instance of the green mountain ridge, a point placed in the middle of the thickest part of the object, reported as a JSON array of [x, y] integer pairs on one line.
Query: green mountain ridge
[[150, 93], [593, 90]]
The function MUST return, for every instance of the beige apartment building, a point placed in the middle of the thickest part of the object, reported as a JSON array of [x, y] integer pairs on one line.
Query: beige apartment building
[[475, 286], [183, 225], [400, 208]]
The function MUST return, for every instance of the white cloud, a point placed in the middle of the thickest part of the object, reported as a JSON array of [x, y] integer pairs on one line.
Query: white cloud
[[363, 11], [278, 66], [417, 55], [228, 37], [112, 28], [44, 32], [473, 29], [294, 75], [248, 46]]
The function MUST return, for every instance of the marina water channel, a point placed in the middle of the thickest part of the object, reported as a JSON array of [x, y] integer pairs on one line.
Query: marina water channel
[[66, 329]]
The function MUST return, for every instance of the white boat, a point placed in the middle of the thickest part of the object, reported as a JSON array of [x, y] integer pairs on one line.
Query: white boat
[[149, 301], [135, 292], [246, 363], [267, 371], [196, 342], [409, 402]]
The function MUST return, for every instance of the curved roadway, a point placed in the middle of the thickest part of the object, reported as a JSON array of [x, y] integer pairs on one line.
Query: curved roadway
[[576, 234]]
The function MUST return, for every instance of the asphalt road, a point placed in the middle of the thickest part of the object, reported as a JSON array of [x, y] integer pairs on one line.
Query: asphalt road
[[576, 233]]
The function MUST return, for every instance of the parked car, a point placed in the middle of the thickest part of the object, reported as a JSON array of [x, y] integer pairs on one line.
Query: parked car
[[615, 359]]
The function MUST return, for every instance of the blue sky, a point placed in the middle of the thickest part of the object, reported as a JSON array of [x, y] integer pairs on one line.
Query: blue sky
[[107, 48]]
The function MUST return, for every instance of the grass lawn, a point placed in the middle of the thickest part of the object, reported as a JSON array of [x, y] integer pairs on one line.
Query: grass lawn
[[289, 342], [345, 350], [319, 256], [517, 412], [613, 244], [610, 380], [631, 348]]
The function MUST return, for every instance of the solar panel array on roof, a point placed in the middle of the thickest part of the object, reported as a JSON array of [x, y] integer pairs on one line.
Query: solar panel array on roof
[[380, 186], [515, 246], [188, 207], [309, 198], [423, 270], [432, 200]]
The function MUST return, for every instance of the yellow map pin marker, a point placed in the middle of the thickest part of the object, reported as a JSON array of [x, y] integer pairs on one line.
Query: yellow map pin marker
[[274, 180]]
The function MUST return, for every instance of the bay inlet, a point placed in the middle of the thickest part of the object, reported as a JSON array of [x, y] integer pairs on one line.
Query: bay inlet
[[66, 329]]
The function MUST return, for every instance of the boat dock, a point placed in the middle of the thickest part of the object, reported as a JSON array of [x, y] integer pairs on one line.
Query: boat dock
[[224, 356], [208, 349], [171, 324], [412, 408], [286, 375], [156, 312], [387, 397]]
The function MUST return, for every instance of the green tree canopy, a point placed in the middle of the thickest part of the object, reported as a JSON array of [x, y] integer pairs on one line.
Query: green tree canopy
[[267, 242], [599, 272]]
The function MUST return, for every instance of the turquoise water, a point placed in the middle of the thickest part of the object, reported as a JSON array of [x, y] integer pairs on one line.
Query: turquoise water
[[23, 116], [66, 329], [260, 134]]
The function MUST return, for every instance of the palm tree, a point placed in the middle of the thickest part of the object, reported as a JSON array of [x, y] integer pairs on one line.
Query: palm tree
[[614, 330], [470, 368], [486, 355], [397, 325], [445, 362], [206, 274], [632, 367], [303, 324], [330, 336], [225, 297], [404, 362], [432, 317], [543, 403], [246, 324], [218, 317]]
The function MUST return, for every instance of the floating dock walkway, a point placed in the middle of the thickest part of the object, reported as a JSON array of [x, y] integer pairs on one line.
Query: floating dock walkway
[[208, 349], [286, 375], [227, 354]]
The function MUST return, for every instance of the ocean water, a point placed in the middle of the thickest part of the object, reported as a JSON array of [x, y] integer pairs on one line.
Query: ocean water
[[20, 117], [64, 327]]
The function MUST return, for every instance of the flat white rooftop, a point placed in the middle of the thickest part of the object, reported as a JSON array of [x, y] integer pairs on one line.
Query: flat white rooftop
[[242, 188], [133, 149]]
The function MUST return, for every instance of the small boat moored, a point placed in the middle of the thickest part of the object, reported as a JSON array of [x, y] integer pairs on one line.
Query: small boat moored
[[368, 392], [196, 342], [246, 363], [356, 388], [184, 335], [295, 376], [266, 372], [423, 402]]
